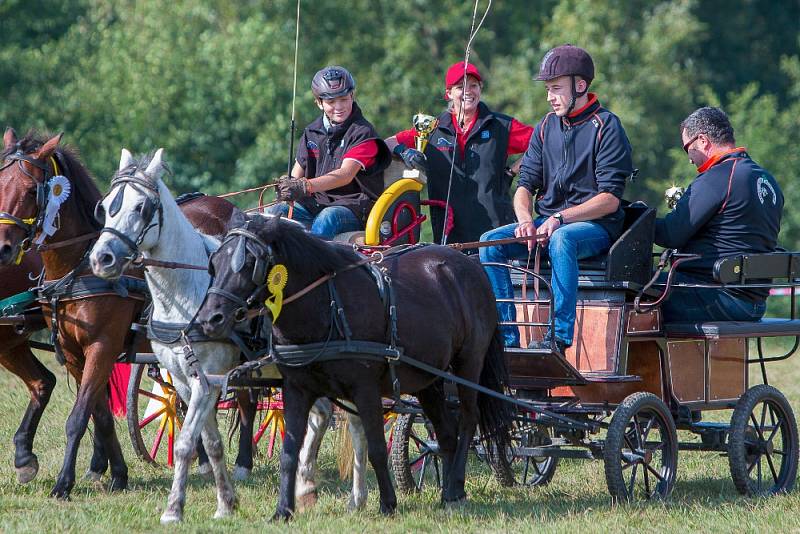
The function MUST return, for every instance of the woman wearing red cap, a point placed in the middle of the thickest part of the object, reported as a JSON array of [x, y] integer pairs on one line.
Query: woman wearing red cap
[[479, 193]]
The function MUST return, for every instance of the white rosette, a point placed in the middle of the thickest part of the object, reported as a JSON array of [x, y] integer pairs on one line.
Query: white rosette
[[60, 189]]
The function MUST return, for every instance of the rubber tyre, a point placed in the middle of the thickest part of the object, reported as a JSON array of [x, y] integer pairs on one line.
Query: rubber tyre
[[521, 470], [750, 447], [138, 373], [624, 450], [412, 456]]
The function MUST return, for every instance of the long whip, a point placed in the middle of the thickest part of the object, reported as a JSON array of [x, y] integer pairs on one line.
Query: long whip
[[473, 31], [294, 98]]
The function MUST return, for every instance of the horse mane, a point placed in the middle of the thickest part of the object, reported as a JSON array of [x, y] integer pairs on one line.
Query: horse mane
[[300, 250], [85, 193]]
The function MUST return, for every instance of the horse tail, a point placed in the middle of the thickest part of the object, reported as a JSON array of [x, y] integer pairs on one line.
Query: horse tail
[[495, 416], [344, 453]]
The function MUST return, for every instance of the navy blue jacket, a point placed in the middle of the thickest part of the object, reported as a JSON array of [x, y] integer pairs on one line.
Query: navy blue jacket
[[572, 159], [732, 206]]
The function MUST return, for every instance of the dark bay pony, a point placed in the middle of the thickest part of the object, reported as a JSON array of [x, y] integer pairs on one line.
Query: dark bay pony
[[446, 318], [92, 331]]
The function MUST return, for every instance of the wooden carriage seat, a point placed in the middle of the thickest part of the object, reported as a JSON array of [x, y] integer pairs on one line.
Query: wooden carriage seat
[[708, 360], [396, 217]]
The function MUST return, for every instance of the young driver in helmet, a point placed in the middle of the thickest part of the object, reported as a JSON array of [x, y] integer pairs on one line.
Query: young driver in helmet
[[338, 169], [575, 167]]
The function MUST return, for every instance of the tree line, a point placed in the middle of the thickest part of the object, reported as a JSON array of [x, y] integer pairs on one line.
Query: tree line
[[211, 80]]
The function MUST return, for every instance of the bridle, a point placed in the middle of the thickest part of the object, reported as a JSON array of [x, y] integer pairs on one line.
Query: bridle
[[30, 225], [151, 207], [246, 241]]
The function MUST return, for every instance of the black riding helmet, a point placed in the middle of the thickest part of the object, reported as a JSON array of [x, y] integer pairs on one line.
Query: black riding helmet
[[332, 82], [567, 60]]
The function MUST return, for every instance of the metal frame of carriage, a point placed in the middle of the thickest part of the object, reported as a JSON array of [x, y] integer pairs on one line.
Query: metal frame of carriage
[[630, 381]]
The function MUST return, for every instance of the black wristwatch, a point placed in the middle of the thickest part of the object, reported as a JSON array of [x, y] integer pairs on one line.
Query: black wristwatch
[[560, 218]]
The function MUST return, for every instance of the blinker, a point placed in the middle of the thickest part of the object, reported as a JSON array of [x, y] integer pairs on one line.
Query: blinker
[[239, 255]]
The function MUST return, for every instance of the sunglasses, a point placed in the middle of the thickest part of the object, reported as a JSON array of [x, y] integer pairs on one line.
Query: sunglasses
[[689, 143]]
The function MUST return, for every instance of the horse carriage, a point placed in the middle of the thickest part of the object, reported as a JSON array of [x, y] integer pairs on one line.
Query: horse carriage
[[620, 393]]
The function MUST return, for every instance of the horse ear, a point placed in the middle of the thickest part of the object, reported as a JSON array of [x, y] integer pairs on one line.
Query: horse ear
[[49, 147], [9, 138], [155, 168], [125, 159]]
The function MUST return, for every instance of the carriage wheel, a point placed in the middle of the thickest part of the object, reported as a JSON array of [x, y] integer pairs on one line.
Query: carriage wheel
[[415, 454], [763, 443], [520, 467], [155, 414], [641, 449]]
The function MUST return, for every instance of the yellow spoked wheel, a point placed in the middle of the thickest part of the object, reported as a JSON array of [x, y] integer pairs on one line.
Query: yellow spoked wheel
[[272, 423], [155, 414]]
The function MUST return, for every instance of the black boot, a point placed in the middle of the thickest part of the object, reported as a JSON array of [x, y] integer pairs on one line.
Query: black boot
[[547, 345]]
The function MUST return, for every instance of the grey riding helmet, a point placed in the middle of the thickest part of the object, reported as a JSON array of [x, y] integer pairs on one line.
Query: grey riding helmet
[[332, 82]]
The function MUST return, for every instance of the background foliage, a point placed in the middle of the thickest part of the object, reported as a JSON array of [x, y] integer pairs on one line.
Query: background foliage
[[211, 80]]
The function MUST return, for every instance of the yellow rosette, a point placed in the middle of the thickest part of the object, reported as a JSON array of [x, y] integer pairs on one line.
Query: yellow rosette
[[276, 281]]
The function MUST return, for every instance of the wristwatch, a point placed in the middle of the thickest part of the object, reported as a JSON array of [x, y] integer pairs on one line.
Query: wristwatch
[[560, 218]]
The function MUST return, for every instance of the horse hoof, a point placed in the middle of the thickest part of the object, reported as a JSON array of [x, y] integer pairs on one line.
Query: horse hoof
[[240, 474], [92, 476], [281, 516], [118, 484], [205, 471], [26, 473], [354, 505], [223, 512], [60, 493], [456, 505], [170, 517], [307, 501]]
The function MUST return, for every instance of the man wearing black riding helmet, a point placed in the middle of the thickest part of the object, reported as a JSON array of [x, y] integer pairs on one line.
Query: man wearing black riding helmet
[[338, 170], [576, 164]]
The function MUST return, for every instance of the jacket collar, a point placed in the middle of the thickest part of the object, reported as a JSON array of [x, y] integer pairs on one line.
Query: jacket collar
[[338, 129], [580, 115], [720, 157], [447, 120]]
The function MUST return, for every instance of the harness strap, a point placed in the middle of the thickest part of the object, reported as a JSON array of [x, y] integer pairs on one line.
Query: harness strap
[[130, 243]]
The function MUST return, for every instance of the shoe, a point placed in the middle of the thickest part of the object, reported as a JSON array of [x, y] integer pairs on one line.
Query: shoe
[[545, 344]]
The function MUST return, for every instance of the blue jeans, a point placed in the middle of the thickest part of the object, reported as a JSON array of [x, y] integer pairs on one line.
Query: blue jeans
[[329, 222], [567, 245], [699, 304]]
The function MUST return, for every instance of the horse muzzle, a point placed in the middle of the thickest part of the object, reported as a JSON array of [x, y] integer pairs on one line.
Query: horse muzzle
[[217, 321], [108, 261]]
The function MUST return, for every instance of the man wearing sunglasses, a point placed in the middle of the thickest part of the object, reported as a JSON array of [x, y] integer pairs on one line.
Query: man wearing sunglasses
[[732, 206]]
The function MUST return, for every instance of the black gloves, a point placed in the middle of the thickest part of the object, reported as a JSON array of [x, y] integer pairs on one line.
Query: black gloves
[[412, 158], [291, 188]]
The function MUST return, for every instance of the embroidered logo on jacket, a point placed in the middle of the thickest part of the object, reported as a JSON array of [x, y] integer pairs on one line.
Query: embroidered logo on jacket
[[444, 144], [486, 134], [313, 148], [764, 188]]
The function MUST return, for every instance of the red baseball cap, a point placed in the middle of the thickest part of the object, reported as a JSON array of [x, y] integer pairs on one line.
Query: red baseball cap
[[456, 73]]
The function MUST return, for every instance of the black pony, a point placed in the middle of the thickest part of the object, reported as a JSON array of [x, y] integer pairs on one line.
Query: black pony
[[446, 318]]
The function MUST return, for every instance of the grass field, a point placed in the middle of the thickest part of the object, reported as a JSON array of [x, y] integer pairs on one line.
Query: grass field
[[704, 498]]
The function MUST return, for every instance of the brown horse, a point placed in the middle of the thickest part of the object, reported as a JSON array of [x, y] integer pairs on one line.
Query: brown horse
[[16, 356], [92, 329], [440, 312]]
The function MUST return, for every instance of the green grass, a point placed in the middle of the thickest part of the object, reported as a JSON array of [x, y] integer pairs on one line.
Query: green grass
[[704, 499]]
